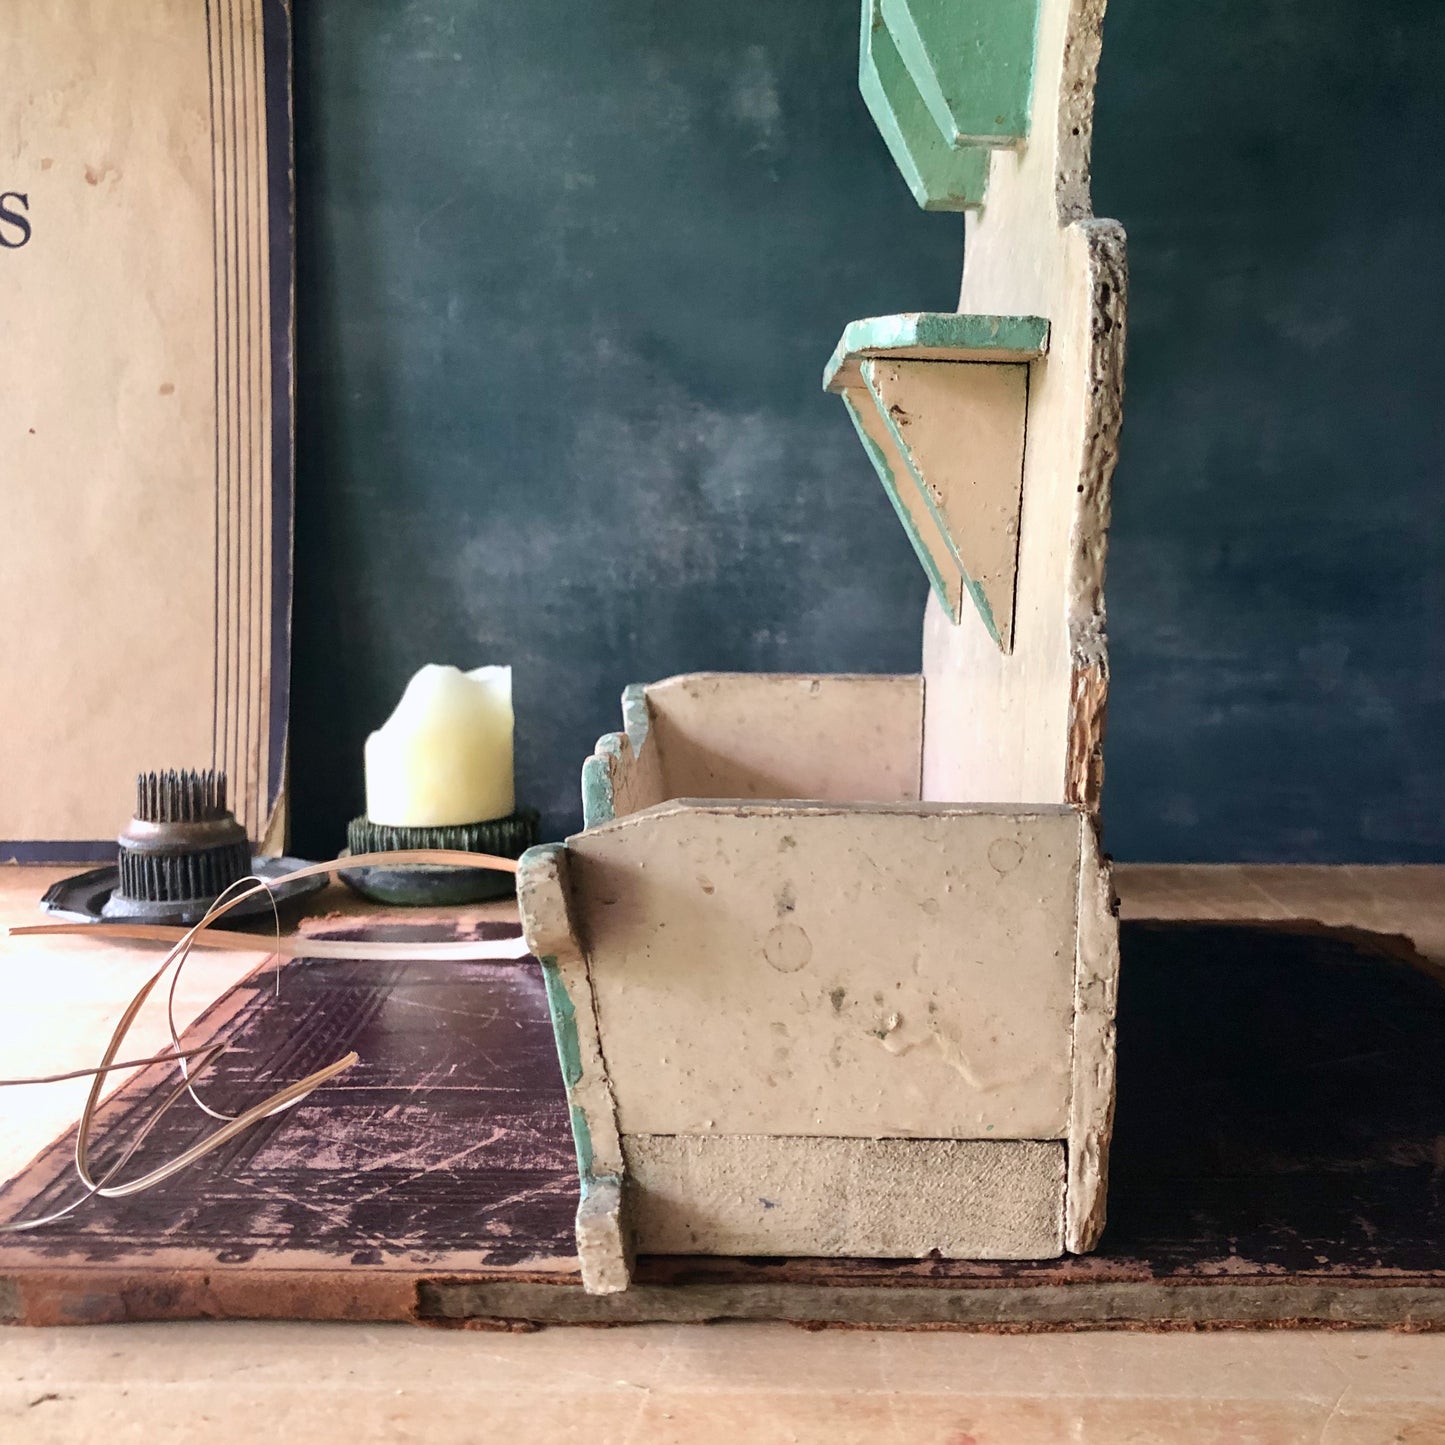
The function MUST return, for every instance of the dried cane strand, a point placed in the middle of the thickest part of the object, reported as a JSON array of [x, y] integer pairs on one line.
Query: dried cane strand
[[175, 959]]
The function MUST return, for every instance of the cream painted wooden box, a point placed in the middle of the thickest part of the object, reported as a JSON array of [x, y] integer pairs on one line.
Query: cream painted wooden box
[[832, 965]]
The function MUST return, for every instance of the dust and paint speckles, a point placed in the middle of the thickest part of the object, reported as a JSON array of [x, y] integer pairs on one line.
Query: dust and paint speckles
[[787, 841], [787, 899], [1005, 854], [836, 997]]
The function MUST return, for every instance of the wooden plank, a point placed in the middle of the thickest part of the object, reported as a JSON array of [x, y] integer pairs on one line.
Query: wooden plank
[[544, 898], [838, 737], [1096, 994], [940, 176], [1258, 1302], [1300, 1186], [972, 62], [878, 1198], [1027, 725], [933, 336], [860, 972]]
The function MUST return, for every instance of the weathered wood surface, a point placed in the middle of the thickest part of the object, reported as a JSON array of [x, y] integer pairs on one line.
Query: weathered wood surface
[[959, 430], [1297, 1182], [807, 969], [945, 576], [843, 737], [1026, 725], [1096, 997], [885, 1198], [933, 336]]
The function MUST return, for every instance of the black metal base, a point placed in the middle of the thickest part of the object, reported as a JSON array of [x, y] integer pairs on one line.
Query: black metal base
[[95, 897], [418, 885]]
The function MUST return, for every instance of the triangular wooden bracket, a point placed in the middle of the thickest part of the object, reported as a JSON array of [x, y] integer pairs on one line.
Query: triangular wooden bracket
[[944, 426]]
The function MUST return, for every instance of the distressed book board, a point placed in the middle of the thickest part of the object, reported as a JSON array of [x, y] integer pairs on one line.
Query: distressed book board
[[1277, 1162], [145, 410]]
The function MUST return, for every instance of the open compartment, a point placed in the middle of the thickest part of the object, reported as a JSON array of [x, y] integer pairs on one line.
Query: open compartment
[[801, 1011]]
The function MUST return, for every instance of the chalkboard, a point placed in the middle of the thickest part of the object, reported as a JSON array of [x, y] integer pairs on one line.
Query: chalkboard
[[1277, 564], [568, 272]]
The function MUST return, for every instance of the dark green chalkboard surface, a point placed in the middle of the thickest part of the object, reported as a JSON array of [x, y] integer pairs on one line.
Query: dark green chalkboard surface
[[568, 272]]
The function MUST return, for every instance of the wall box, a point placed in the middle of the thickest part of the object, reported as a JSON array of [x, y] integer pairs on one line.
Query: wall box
[[832, 964], [145, 555]]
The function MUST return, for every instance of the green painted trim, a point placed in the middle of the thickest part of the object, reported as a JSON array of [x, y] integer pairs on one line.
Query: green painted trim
[[569, 1056], [970, 586], [581, 1143], [598, 805], [564, 1022], [636, 720], [592, 1181], [936, 579], [940, 177], [972, 337], [972, 63]]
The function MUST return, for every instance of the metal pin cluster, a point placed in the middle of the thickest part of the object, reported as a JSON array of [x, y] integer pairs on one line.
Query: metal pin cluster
[[180, 797]]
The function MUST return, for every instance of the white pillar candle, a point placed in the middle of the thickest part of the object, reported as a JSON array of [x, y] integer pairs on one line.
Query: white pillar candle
[[445, 755]]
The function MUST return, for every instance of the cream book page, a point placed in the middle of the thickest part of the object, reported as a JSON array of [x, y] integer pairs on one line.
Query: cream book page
[[145, 409]]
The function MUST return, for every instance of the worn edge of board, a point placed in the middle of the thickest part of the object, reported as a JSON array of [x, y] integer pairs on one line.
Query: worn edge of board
[[973, 65], [1092, 1063], [939, 176], [1263, 1301], [602, 1238], [934, 336]]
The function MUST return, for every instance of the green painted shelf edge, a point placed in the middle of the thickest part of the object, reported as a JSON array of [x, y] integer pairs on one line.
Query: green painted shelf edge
[[934, 336], [940, 177], [971, 62]]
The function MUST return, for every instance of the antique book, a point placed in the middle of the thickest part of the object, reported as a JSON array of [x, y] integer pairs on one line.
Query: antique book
[[145, 410]]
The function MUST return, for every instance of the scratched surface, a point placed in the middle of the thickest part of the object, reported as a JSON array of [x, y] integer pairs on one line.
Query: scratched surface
[[1281, 1115], [448, 1140]]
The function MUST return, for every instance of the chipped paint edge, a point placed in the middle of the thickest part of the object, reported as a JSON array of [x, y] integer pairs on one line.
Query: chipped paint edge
[[968, 336], [1091, 1101], [950, 604], [1005, 56], [940, 177], [603, 1242]]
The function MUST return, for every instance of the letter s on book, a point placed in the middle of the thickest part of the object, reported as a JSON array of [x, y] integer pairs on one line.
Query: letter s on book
[[14, 228]]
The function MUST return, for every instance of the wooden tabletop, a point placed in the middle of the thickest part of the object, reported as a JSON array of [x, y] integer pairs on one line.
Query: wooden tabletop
[[755, 1382]]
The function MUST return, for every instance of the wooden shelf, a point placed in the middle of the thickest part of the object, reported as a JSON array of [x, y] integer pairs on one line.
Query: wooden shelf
[[939, 402], [947, 82], [934, 336]]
